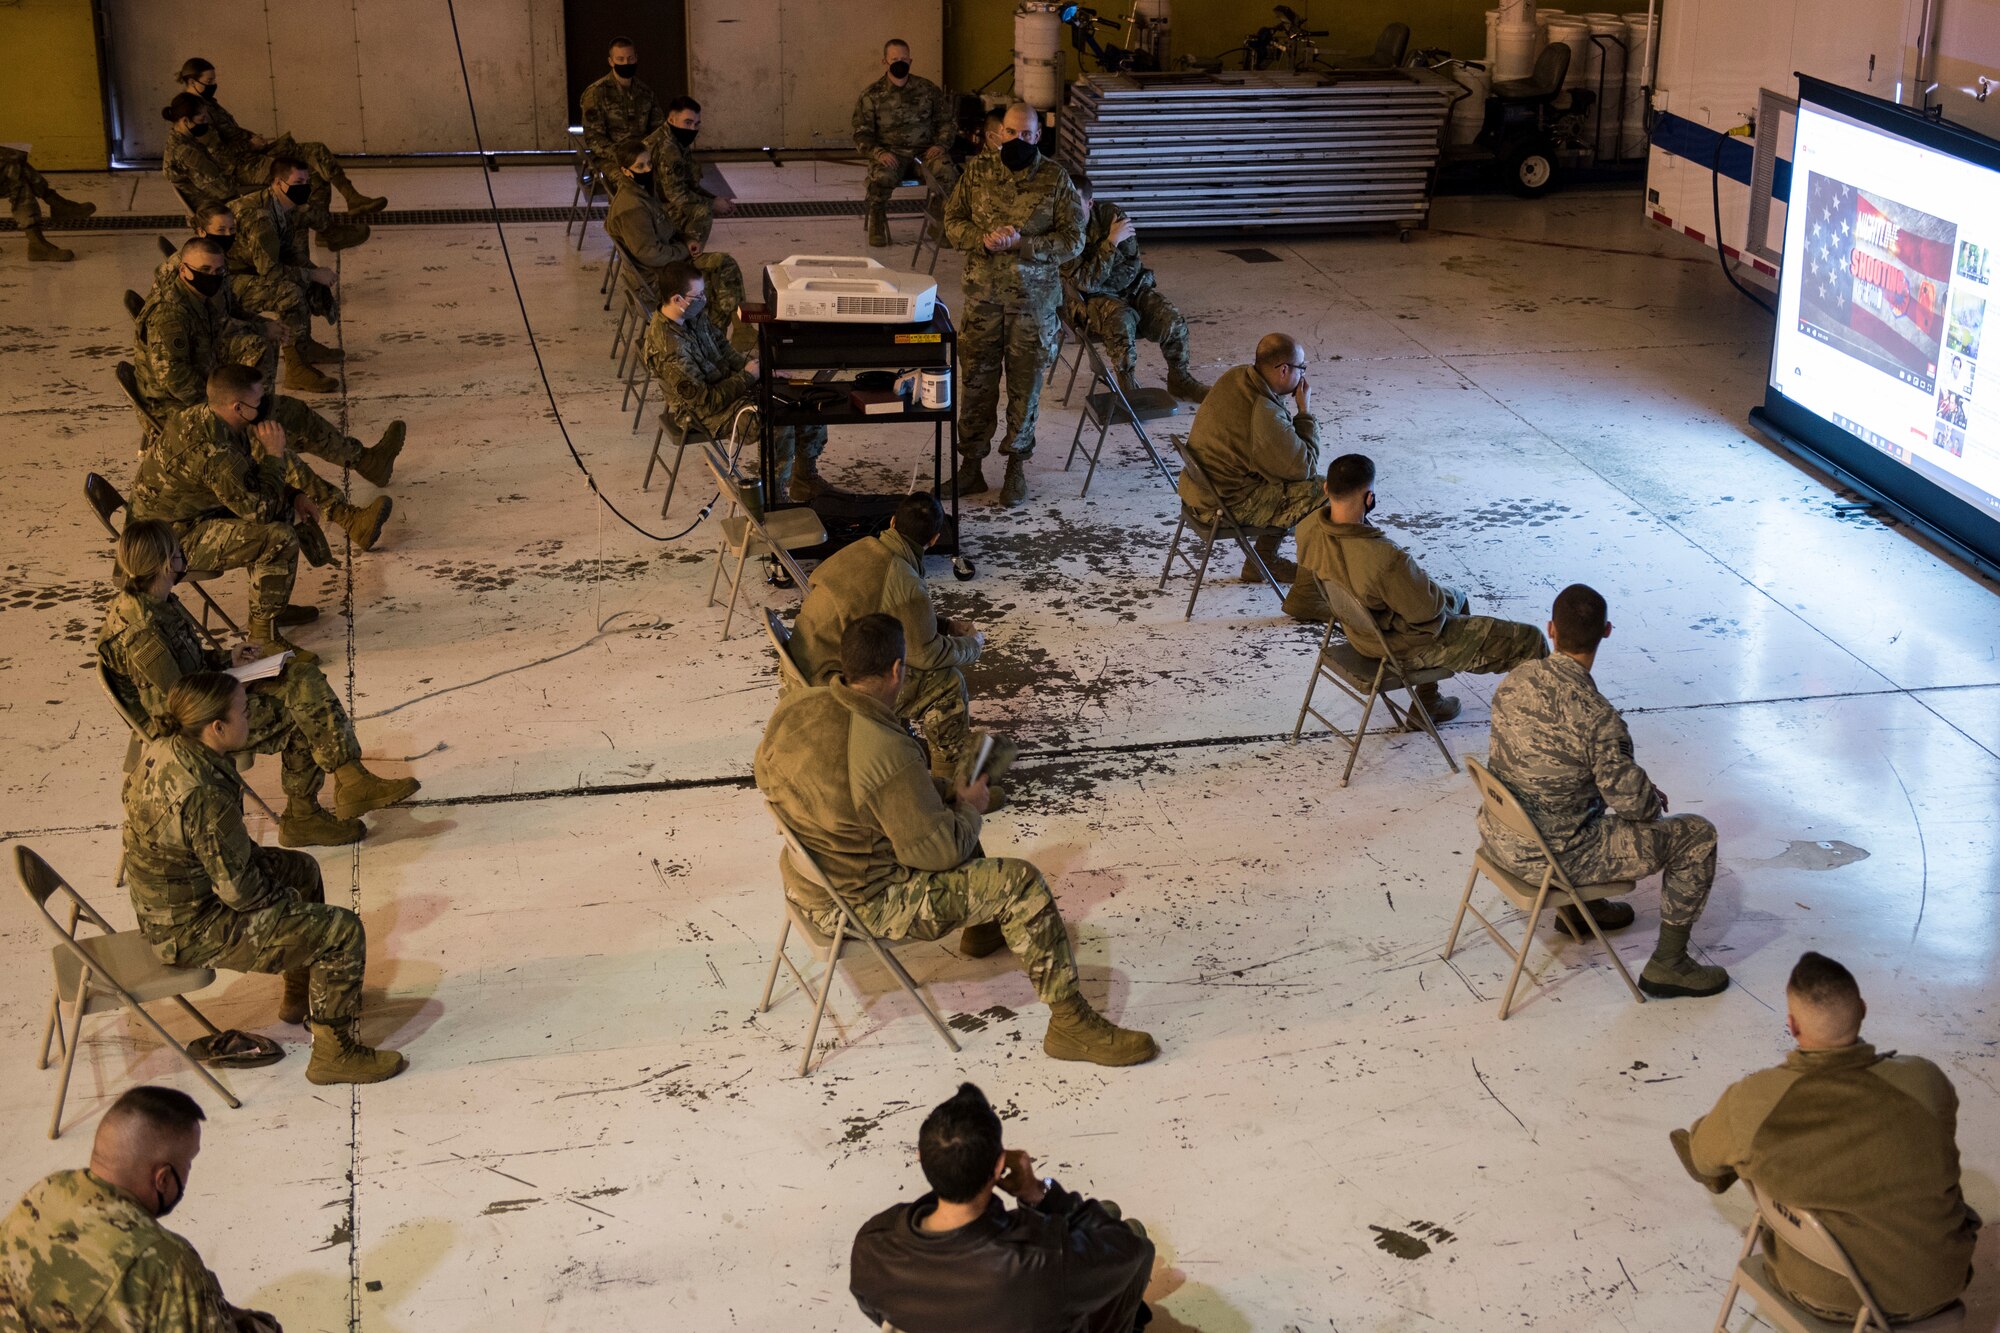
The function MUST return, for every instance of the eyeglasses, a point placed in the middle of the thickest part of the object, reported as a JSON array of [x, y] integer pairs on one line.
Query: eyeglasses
[[1298, 366]]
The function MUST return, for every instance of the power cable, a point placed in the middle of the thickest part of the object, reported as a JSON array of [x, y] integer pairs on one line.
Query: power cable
[[1715, 198], [534, 344]]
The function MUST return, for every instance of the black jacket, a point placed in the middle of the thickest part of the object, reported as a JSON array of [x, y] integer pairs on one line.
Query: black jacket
[[1064, 1265]]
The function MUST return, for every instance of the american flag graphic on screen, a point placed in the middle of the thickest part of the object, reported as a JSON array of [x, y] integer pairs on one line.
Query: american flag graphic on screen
[[1876, 276]]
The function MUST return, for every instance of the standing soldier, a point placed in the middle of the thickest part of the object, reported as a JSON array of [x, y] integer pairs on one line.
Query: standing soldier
[[901, 119], [1121, 302], [616, 108], [207, 895], [247, 150], [23, 185], [1019, 220], [1562, 749], [638, 221], [677, 176]]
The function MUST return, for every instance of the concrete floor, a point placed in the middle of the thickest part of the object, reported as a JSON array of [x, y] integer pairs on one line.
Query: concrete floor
[[568, 932]]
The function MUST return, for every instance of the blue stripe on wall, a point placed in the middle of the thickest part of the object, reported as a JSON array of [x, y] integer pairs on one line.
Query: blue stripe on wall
[[1684, 138]]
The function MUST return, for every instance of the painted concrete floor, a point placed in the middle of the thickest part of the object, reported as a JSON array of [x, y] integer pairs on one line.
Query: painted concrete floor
[[569, 931]]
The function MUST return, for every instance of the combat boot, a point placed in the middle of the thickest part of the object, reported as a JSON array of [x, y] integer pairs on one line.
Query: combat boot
[[296, 614], [302, 377], [1182, 384], [971, 479], [1608, 913], [378, 463], [358, 202], [298, 990], [1078, 1032], [307, 823], [1670, 973], [356, 791], [343, 235], [41, 251], [1441, 707], [339, 1057], [806, 484], [878, 227], [1283, 570], [1128, 384], [364, 525], [318, 353], [981, 940], [263, 634], [65, 209], [1014, 486]]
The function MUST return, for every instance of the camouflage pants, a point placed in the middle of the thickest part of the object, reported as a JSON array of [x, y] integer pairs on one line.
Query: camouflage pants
[[883, 180], [299, 718], [22, 185], [1021, 341], [270, 551], [280, 298], [1480, 645], [1611, 848], [309, 432], [251, 350], [938, 702], [297, 929], [1278, 504], [788, 443], [1120, 322], [930, 904]]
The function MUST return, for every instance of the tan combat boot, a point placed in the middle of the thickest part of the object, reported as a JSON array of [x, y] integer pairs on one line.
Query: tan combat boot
[[971, 478], [878, 223], [41, 251], [1014, 486], [356, 791], [806, 484], [318, 353], [339, 1057], [1182, 384], [378, 463], [1441, 707], [66, 209], [358, 202], [1283, 570], [1078, 1032], [364, 525], [343, 235], [1670, 973], [299, 376], [298, 990], [263, 633], [979, 941], [307, 823]]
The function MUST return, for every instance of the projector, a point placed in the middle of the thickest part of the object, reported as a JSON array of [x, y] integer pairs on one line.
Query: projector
[[846, 289]]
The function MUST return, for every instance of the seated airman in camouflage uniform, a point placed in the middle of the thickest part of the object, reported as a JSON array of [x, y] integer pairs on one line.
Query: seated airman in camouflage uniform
[[900, 120], [1260, 455], [206, 895], [619, 106], [885, 573], [235, 507], [677, 176], [851, 782], [202, 174], [22, 186], [277, 298], [638, 221], [1019, 220], [271, 242], [246, 151], [1424, 624], [85, 1251], [1563, 749], [1121, 303], [149, 642], [703, 379]]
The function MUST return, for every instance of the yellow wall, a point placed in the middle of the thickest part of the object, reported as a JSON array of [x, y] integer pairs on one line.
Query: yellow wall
[[979, 34], [49, 97]]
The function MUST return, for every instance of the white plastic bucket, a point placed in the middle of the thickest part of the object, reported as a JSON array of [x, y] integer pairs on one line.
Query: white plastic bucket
[[1037, 57], [1516, 11], [1575, 34], [1468, 113], [1492, 37], [1515, 56]]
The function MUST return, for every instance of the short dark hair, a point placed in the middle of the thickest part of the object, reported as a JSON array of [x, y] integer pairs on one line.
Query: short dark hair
[[1081, 181], [1349, 474], [683, 103], [1820, 980], [919, 517], [209, 212], [204, 245], [870, 646], [231, 380], [617, 42], [167, 1109], [283, 167], [677, 279], [995, 114], [628, 151], [894, 41], [185, 106], [1579, 616], [193, 68], [959, 1145]]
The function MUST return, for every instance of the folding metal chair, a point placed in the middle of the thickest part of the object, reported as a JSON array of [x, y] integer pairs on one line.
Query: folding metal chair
[[931, 234], [828, 948], [588, 187], [746, 525], [672, 432], [134, 303], [1066, 330], [789, 676], [1116, 407], [1365, 668], [125, 702], [187, 205], [128, 384], [1802, 1231], [105, 502], [1205, 529], [1499, 803], [114, 969]]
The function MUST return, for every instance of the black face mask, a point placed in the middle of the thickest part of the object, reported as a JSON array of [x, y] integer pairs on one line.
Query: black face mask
[[299, 194], [683, 135], [643, 179], [264, 406], [1018, 153], [208, 93], [630, 71], [160, 1205], [899, 69], [198, 130], [208, 284]]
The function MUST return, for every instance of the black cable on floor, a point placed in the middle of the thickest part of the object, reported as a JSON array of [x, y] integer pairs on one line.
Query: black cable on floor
[[534, 345], [1715, 197]]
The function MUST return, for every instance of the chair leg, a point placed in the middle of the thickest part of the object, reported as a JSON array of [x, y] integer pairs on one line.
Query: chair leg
[[1423, 716], [890, 961], [261, 804], [777, 955], [715, 579], [1361, 731], [198, 1016], [52, 1030], [69, 1056], [1173, 549], [830, 966], [735, 588], [189, 1060], [1075, 443], [1312, 685], [646, 482], [1464, 901], [1521, 958], [1617, 962], [1153, 453], [1056, 362], [1075, 368], [1097, 452], [645, 379], [674, 477]]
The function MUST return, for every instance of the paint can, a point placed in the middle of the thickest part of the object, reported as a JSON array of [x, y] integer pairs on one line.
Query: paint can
[[934, 390]]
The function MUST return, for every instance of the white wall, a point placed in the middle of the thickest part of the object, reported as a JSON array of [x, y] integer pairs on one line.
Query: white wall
[[363, 76]]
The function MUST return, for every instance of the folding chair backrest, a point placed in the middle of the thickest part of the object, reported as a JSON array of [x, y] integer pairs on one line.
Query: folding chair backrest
[[1191, 470], [781, 644], [1498, 800], [634, 277], [128, 384], [104, 500], [1800, 1230], [128, 707], [1355, 622], [41, 883]]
